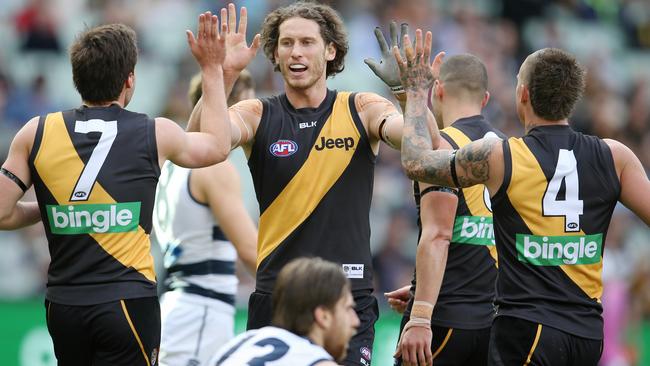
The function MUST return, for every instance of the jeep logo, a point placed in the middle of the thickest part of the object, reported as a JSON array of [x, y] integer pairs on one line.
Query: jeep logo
[[346, 143]]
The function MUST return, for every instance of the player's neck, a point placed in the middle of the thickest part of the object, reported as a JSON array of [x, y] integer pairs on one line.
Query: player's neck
[[311, 97], [452, 113], [121, 101], [532, 121], [316, 336]]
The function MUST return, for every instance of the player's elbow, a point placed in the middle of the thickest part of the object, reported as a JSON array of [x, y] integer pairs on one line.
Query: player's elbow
[[436, 239], [411, 166]]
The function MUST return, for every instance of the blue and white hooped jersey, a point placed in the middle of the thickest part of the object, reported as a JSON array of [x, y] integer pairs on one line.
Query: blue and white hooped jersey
[[270, 346], [198, 257]]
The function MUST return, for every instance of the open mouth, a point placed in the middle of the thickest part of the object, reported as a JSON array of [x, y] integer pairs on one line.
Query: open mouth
[[297, 69]]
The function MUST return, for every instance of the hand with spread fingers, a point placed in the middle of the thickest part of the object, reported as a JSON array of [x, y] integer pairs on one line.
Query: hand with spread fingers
[[415, 72], [208, 47], [386, 69], [239, 54]]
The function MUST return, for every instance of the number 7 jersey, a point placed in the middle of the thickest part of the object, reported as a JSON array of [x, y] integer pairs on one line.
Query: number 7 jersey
[[95, 172], [551, 217]]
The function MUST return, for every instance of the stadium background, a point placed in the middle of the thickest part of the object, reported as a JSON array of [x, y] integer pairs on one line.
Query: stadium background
[[610, 37]]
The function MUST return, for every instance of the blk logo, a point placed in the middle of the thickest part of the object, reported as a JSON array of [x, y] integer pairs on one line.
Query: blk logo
[[283, 148]]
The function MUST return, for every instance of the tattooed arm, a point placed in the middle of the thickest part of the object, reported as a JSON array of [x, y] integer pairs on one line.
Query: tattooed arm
[[478, 162]]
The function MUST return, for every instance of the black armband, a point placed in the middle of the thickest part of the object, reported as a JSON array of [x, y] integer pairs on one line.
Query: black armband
[[14, 178], [452, 167], [439, 189]]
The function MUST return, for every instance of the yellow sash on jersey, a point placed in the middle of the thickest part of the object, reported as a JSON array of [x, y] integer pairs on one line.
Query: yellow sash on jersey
[[59, 166], [526, 189], [318, 174], [474, 195]]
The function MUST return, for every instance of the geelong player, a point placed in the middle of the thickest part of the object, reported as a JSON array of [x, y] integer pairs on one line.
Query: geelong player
[[553, 192], [313, 320], [95, 169], [202, 226], [311, 153]]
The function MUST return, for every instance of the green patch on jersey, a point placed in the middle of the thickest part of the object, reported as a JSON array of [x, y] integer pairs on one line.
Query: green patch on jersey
[[559, 250], [475, 230], [94, 218]]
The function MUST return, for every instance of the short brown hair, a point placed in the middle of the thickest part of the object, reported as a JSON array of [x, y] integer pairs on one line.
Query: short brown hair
[[465, 74], [102, 59], [331, 29], [244, 81], [303, 285], [555, 81]]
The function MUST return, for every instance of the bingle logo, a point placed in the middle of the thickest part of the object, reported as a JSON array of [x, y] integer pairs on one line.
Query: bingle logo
[[283, 148]]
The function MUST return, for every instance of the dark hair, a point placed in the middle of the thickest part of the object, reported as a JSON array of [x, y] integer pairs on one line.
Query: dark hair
[[465, 74], [555, 81], [102, 59], [244, 81], [329, 21], [303, 285]]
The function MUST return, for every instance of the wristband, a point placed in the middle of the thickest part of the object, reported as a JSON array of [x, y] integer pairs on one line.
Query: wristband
[[417, 322], [422, 310], [397, 89]]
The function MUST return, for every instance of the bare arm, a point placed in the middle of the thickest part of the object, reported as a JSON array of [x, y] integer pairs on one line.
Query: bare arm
[[15, 214], [219, 185], [634, 180], [212, 145], [478, 162], [244, 118], [238, 56]]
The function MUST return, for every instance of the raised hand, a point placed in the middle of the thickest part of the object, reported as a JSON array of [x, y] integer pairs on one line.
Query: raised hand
[[208, 47], [239, 54], [415, 72], [386, 69]]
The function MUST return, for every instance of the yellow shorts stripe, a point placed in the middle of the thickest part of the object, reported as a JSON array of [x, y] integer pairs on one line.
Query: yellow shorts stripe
[[444, 343], [135, 333], [532, 349]]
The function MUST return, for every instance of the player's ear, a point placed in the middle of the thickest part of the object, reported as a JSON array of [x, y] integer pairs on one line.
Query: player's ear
[[130, 80], [486, 99], [322, 317], [523, 93], [330, 51]]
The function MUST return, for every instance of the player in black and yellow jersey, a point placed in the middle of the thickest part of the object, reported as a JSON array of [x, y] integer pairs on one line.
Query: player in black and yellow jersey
[[553, 192], [312, 154], [456, 257], [95, 169]]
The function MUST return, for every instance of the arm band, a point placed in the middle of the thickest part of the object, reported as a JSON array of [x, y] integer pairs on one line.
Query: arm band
[[452, 167], [13, 177], [439, 189]]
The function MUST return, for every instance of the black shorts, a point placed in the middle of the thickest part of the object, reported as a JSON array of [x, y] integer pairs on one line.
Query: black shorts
[[360, 347], [453, 346], [124, 332], [515, 341]]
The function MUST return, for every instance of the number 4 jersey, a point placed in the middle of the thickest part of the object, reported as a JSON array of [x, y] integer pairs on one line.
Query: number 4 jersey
[[551, 217], [270, 346], [95, 172]]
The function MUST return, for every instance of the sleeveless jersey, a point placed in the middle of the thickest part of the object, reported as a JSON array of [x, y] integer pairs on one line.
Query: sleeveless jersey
[[270, 346], [197, 256], [551, 217], [95, 172], [313, 171], [467, 292]]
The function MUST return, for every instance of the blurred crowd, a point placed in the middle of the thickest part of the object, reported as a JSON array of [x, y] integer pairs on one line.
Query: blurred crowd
[[611, 38]]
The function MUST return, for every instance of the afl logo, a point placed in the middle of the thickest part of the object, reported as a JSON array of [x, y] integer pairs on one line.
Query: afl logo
[[283, 148]]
